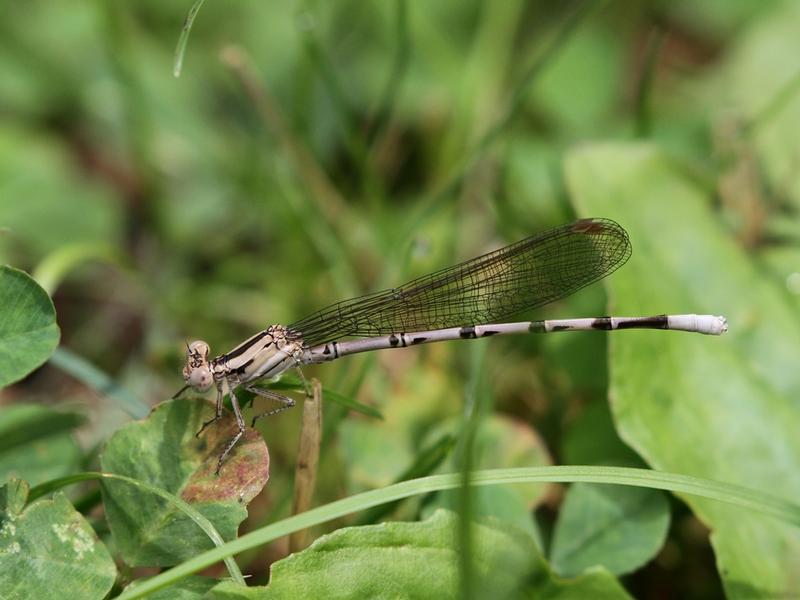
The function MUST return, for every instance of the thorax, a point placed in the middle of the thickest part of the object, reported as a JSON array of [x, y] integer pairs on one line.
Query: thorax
[[266, 354]]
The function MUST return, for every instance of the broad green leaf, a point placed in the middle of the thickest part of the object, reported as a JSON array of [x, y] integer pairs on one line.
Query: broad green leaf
[[28, 330], [500, 442], [619, 528], [721, 408], [49, 548], [420, 560], [163, 450], [592, 440], [36, 443]]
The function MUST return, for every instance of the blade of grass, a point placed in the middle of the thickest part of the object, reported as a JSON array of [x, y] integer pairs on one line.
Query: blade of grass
[[82, 370], [353, 405], [476, 405], [466, 569], [196, 516], [180, 50], [295, 385], [724, 492]]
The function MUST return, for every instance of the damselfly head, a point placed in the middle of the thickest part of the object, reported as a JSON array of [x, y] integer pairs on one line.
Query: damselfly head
[[197, 372]]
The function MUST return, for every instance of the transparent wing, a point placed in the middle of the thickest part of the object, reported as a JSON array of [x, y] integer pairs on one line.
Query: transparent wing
[[490, 288]]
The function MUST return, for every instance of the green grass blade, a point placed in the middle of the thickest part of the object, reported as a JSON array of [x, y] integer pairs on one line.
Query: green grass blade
[[724, 492], [82, 370], [180, 50], [351, 404], [295, 385]]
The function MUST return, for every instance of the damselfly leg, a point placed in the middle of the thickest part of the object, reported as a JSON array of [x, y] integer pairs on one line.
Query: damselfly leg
[[284, 400]]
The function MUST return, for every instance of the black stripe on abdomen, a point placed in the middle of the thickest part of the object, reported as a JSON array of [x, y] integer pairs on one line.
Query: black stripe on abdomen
[[602, 323], [467, 332], [657, 322]]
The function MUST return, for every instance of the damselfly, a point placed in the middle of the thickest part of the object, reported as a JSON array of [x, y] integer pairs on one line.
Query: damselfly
[[461, 302]]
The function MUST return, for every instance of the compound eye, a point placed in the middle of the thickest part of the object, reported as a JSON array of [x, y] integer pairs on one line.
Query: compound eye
[[200, 379]]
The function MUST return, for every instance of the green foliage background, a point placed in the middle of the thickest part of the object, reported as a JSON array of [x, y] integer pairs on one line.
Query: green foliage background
[[313, 151]]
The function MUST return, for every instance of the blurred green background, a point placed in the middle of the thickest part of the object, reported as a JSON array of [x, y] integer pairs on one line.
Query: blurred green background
[[312, 151]]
